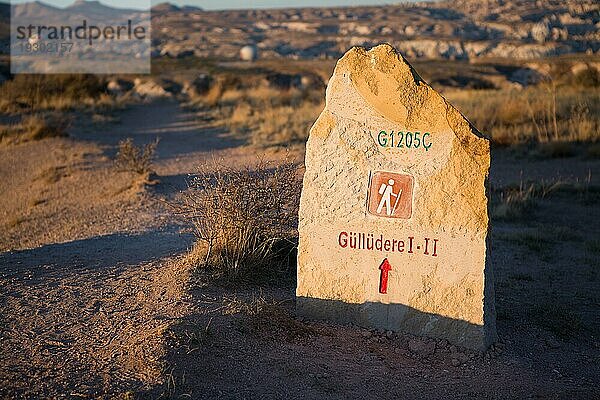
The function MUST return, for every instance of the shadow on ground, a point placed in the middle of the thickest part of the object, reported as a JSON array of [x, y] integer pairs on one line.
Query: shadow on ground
[[170, 185], [248, 342], [114, 250], [82, 319]]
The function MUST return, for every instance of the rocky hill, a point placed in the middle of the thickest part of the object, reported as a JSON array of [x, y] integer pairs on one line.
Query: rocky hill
[[458, 29]]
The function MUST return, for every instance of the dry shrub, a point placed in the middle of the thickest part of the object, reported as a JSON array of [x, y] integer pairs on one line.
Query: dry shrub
[[213, 95], [6, 131], [543, 114], [583, 126], [217, 90], [589, 77], [264, 115], [503, 135], [517, 201], [233, 96], [135, 159], [105, 102], [35, 127], [264, 96], [244, 220]]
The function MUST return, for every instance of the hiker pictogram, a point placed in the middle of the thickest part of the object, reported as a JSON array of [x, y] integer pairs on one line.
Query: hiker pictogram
[[387, 192], [390, 195]]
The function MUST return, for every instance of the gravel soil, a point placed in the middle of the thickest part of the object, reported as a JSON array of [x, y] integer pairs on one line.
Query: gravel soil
[[96, 302]]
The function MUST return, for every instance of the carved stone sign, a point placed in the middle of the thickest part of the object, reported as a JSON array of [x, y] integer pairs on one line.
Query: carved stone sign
[[393, 216]]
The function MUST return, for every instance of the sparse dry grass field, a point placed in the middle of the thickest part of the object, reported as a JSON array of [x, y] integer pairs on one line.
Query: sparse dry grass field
[[546, 113], [106, 294]]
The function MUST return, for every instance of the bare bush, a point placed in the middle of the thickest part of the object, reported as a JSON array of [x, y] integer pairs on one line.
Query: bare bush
[[244, 220], [135, 159]]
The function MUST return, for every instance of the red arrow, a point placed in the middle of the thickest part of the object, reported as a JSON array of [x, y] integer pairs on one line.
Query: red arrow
[[385, 268]]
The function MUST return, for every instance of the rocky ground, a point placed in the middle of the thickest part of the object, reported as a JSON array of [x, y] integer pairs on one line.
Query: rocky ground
[[96, 303]]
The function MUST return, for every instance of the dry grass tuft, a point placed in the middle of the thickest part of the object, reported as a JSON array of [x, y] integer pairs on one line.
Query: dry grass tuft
[[35, 127], [514, 203], [284, 125], [518, 201], [244, 220], [38, 127], [135, 159], [543, 113]]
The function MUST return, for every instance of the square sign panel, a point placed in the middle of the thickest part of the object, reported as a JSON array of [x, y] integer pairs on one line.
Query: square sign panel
[[390, 195]]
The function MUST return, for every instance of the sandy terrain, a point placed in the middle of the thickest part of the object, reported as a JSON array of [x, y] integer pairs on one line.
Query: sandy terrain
[[95, 304]]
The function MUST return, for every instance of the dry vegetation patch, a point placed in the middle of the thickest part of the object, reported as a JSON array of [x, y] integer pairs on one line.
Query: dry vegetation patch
[[272, 117], [137, 159], [565, 110], [244, 219], [544, 113], [46, 104], [265, 115], [35, 127], [515, 202], [50, 92]]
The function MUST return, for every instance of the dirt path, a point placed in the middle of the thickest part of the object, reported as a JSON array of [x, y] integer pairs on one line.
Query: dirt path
[[94, 304], [88, 269], [90, 285]]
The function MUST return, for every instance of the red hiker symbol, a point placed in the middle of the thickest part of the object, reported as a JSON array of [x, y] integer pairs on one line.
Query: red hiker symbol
[[385, 268]]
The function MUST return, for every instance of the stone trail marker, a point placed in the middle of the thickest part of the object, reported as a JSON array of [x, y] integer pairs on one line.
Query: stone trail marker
[[393, 217]]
